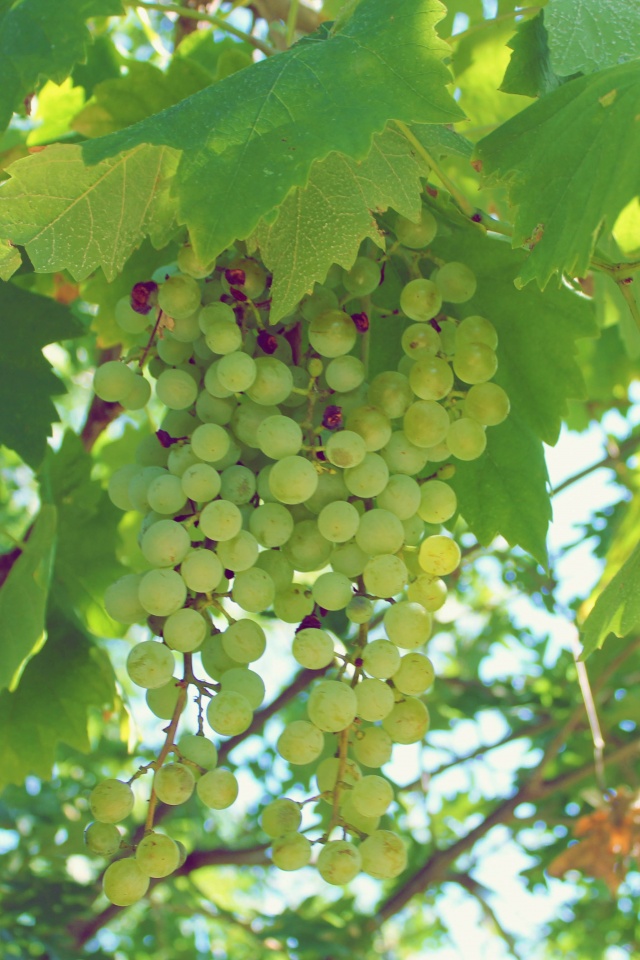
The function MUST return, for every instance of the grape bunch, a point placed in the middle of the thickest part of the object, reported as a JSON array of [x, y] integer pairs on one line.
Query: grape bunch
[[283, 479]]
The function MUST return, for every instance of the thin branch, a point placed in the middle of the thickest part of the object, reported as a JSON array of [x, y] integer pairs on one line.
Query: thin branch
[[188, 14]]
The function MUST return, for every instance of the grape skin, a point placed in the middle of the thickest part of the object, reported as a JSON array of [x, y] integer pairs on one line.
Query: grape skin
[[124, 882]]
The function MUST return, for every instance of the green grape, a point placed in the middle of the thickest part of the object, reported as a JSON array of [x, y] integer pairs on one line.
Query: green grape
[[191, 264], [199, 750], [113, 380], [300, 742], [293, 604], [426, 423], [313, 648], [466, 439], [373, 746], [200, 482], [379, 531], [320, 300], [487, 403], [408, 722], [359, 610], [476, 329], [375, 700], [331, 487], [124, 882], [475, 363], [363, 277], [356, 822], [162, 701], [139, 485], [279, 437], [217, 789], [111, 801], [414, 675], [271, 524], [173, 351], [338, 521], [438, 502], [121, 600], [236, 372], [210, 442], [157, 855], [345, 449], [431, 592], [150, 664], [407, 624], [420, 340], [201, 571], [238, 484], [327, 774], [247, 418], [431, 378], [215, 659], [349, 559], [339, 862], [403, 456], [292, 851], [185, 630], [213, 385], [180, 459], [221, 520], [186, 329], [277, 566], [273, 382], [332, 333], [179, 296], [255, 277], [418, 235], [174, 783], [420, 300], [384, 855], [214, 409], [139, 394], [332, 591], [118, 488], [439, 555], [372, 795], [176, 389], [280, 817], [401, 496], [253, 590], [413, 531], [372, 425], [345, 373], [306, 548], [332, 706], [222, 336], [166, 494], [129, 319], [391, 393], [244, 641], [229, 713], [245, 682], [103, 839], [456, 282], [293, 480], [369, 478], [162, 592], [217, 312], [165, 544], [385, 576], [240, 553]]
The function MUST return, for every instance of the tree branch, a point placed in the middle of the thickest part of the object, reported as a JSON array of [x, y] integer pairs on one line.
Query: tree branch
[[616, 454]]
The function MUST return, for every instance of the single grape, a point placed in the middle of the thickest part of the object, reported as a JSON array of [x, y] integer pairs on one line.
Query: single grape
[[111, 801], [215, 659], [345, 373], [487, 403], [391, 393], [121, 600], [438, 502], [385, 576], [476, 329], [300, 742], [332, 591], [292, 851], [338, 521], [217, 789], [383, 854], [244, 641], [150, 664], [349, 559], [179, 296], [279, 437], [313, 648], [306, 548], [271, 524], [420, 300], [431, 378], [456, 282], [221, 520], [373, 746], [372, 425], [339, 862], [124, 882], [431, 592], [426, 423], [157, 855], [139, 394], [379, 531], [354, 821], [185, 630], [246, 682], [113, 380], [129, 319], [176, 389], [238, 484], [363, 277], [418, 235], [414, 675], [166, 494], [328, 771], [420, 340], [201, 571], [403, 456], [229, 713], [236, 371], [293, 604], [277, 566], [466, 439], [475, 363], [239, 553], [162, 701], [174, 783], [359, 610], [280, 817], [372, 795], [331, 487], [273, 382], [439, 555], [407, 624], [165, 544], [102, 839], [293, 480], [375, 700], [408, 722], [253, 590], [210, 441], [332, 706], [345, 449], [199, 750], [332, 333], [369, 478]]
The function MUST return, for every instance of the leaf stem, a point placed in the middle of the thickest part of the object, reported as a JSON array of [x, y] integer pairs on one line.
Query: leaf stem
[[291, 21], [465, 205], [217, 21]]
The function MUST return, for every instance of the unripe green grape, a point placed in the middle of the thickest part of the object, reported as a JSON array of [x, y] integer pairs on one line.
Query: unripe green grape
[[238, 484], [369, 478], [245, 682], [420, 300], [271, 524], [476, 329], [426, 423], [372, 795], [345, 373], [439, 555], [431, 592], [166, 494], [201, 571], [210, 442], [354, 821], [293, 480], [438, 502], [199, 750], [139, 394], [213, 385], [363, 277], [466, 439], [277, 566], [293, 604], [221, 520], [332, 333], [418, 235], [391, 393], [181, 457], [313, 648], [321, 299], [185, 630], [306, 548], [118, 488], [439, 453], [279, 437], [247, 418], [372, 425], [176, 389], [215, 659], [408, 722], [383, 854], [420, 340], [407, 624], [349, 559], [111, 801], [139, 486], [165, 544], [217, 789], [385, 576], [431, 378], [332, 706], [222, 336], [300, 742], [327, 774], [475, 362], [403, 456], [173, 352], [345, 449], [380, 531], [191, 264], [179, 296], [280, 817], [121, 600], [157, 855], [236, 371], [244, 641], [456, 282], [373, 746], [162, 701], [414, 675], [273, 382], [359, 610], [239, 553], [487, 403], [291, 851], [375, 700], [413, 531], [332, 591], [150, 664], [255, 277], [113, 380], [129, 319], [214, 409], [102, 839], [200, 482], [401, 496], [124, 882], [174, 783], [186, 329], [253, 590], [339, 862], [217, 312]]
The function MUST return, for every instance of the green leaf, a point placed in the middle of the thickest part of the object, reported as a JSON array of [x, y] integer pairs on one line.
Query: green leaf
[[587, 35], [27, 323], [530, 71], [70, 216], [571, 163], [442, 141], [51, 704], [326, 221], [617, 609], [23, 596], [10, 260], [57, 106], [43, 39], [249, 139]]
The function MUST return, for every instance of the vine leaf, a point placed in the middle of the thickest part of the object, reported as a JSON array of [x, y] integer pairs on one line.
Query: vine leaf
[[570, 162], [42, 39], [27, 323], [23, 596], [10, 260], [530, 71], [617, 609], [70, 216], [587, 35]]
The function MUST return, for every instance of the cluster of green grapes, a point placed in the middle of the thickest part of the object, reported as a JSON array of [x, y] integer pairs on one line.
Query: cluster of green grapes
[[282, 480]]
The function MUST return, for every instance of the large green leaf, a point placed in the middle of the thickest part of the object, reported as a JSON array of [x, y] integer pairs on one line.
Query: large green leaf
[[72, 216], [530, 71], [23, 596], [10, 260], [249, 139], [588, 35], [27, 323], [571, 160], [617, 609], [42, 39], [51, 704]]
